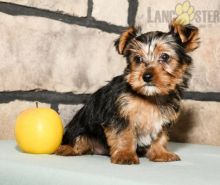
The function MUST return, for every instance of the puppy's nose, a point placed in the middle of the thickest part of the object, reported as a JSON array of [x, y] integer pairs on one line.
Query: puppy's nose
[[147, 77]]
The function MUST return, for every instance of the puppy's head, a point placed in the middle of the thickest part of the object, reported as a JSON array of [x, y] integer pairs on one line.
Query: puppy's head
[[158, 62]]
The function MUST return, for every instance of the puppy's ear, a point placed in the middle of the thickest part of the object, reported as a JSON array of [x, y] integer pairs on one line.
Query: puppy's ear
[[124, 39], [188, 35]]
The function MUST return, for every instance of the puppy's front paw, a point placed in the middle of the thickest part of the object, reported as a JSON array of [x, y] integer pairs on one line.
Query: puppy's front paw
[[125, 158], [163, 157]]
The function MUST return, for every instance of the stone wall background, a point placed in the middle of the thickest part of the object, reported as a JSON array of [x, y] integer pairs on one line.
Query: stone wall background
[[59, 52]]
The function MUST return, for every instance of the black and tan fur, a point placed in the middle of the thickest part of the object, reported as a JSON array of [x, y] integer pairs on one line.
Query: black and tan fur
[[127, 117]]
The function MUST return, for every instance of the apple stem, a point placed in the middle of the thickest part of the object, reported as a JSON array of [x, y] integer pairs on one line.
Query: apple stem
[[37, 104]]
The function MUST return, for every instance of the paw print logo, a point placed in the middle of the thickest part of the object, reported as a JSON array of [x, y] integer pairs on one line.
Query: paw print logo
[[185, 12]]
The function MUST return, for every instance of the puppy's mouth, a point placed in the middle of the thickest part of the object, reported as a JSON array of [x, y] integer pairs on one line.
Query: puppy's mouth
[[150, 84], [150, 89]]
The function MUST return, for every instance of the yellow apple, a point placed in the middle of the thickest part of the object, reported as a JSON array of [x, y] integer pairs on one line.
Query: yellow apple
[[38, 131]]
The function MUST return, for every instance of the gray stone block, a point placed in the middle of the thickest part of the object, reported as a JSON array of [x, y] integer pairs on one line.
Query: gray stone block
[[39, 53], [114, 11], [198, 123]]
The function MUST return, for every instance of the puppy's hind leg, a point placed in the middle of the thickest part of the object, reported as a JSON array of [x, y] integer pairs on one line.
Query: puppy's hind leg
[[80, 146]]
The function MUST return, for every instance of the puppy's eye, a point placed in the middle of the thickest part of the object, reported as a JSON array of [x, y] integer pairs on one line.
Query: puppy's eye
[[164, 57], [138, 59]]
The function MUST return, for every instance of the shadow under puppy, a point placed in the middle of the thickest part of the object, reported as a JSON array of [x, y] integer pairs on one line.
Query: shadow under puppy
[[127, 117]]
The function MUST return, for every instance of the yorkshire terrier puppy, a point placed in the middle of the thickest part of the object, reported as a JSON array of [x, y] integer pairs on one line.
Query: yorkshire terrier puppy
[[129, 116]]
